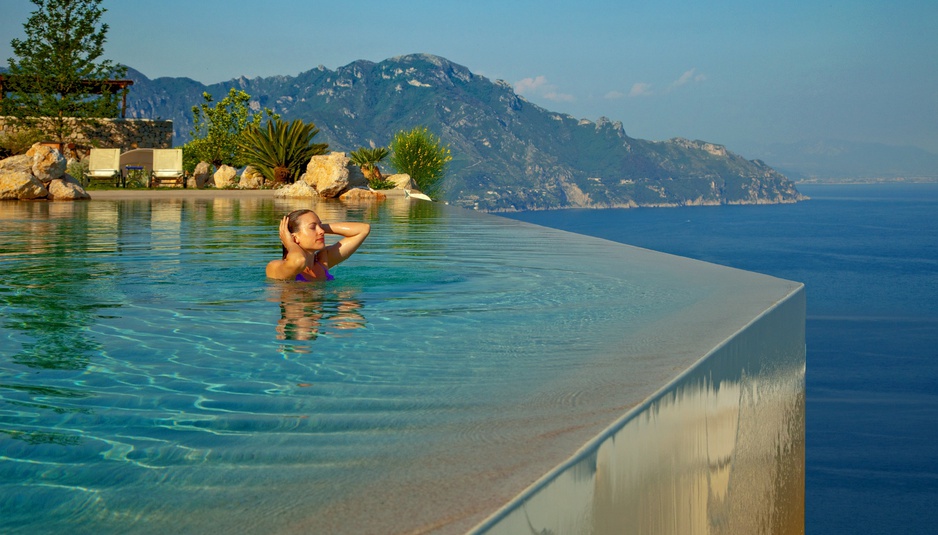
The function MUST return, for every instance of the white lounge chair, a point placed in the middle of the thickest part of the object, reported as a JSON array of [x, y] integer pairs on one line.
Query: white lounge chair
[[167, 167], [104, 164]]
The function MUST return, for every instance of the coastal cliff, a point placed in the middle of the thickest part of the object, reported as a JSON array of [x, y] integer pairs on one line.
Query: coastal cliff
[[509, 154]]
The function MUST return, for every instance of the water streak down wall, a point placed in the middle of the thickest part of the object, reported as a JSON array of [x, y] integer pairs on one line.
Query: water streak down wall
[[718, 450]]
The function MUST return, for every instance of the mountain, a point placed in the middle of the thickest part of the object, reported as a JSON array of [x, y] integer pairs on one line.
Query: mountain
[[838, 159], [508, 154]]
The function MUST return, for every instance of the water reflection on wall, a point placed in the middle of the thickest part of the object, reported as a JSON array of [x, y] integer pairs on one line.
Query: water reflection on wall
[[720, 450]]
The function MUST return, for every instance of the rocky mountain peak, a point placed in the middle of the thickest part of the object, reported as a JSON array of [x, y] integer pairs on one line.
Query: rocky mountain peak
[[509, 154]]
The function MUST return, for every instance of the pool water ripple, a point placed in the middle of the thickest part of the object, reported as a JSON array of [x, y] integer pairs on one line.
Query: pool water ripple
[[151, 373]]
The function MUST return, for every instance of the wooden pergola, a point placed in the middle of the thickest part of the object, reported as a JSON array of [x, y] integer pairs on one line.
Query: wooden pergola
[[95, 87]]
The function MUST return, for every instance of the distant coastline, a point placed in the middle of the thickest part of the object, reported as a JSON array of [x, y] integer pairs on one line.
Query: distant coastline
[[873, 180]]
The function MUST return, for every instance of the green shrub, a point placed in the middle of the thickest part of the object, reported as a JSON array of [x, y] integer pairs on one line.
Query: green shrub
[[190, 158], [281, 151], [217, 130], [19, 141], [78, 170], [381, 183], [423, 156]]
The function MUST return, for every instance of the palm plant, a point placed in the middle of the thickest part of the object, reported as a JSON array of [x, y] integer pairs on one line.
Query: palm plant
[[368, 160], [281, 150]]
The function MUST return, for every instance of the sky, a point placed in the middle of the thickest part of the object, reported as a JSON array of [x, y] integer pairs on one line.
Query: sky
[[740, 73]]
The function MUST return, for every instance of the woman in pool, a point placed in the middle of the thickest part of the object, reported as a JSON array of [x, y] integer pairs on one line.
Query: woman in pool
[[305, 254]]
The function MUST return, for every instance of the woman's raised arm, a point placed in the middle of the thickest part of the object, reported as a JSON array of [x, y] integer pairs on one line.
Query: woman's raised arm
[[353, 234]]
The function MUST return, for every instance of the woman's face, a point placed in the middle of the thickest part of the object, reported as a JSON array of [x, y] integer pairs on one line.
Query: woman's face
[[309, 233]]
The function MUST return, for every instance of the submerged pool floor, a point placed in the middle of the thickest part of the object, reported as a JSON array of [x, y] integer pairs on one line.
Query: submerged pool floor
[[152, 380]]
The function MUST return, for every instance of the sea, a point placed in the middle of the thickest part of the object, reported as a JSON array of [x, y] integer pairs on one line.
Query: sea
[[868, 256]]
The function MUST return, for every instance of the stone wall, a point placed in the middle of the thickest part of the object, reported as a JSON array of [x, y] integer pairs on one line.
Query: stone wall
[[718, 450], [125, 134]]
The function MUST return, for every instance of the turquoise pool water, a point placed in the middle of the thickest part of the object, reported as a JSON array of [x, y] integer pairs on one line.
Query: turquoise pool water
[[152, 379]]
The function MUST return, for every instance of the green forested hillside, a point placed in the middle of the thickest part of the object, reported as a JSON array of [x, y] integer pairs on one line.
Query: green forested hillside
[[508, 154]]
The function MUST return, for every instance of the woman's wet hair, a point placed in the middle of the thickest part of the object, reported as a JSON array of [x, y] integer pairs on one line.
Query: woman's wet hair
[[293, 222]]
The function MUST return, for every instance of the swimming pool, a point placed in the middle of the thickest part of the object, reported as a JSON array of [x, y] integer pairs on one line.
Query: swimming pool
[[153, 380]]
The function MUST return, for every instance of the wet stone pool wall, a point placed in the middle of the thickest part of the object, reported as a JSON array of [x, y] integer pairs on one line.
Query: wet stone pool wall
[[719, 450]]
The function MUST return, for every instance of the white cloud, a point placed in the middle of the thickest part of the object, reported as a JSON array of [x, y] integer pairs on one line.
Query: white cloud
[[641, 89], [688, 77], [540, 87], [613, 95], [559, 97], [530, 85]]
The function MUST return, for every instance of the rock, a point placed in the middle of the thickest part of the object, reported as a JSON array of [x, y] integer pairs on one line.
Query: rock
[[251, 179], [402, 181], [328, 173], [66, 189], [297, 189], [200, 176], [224, 176], [362, 194], [20, 162], [22, 186], [48, 163], [356, 179]]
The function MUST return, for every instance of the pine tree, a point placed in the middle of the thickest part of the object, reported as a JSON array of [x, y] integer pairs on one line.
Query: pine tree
[[58, 73]]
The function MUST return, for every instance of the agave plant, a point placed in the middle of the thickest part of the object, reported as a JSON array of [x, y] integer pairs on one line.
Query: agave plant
[[281, 150], [368, 160]]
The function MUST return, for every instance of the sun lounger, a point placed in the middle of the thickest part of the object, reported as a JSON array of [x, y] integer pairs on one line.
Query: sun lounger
[[104, 164], [167, 168]]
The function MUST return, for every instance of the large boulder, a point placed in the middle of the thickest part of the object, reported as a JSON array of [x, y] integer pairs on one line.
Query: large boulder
[[48, 163], [402, 181], [298, 189], [224, 176], [20, 162], [200, 176], [20, 185], [66, 188], [362, 194], [328, 174], [251, 178], [356, 179]]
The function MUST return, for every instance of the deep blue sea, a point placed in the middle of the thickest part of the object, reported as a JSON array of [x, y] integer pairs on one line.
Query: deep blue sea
[[868, 255]]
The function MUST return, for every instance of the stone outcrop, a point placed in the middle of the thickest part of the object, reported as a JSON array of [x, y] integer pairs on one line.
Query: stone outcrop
[[333, 174], [67, 188], [300, 189], [200, 176], [402, 181], [38, 174], [356, 179], [47, 163], [328, 174], [224, 176], [18, 185], [251, 178], [362, 194], [20, 162]]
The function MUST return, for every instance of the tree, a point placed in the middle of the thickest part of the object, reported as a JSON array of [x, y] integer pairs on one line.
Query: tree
[[281, 151], [58, 74], [423, 156], [368, 159], [216, 131]]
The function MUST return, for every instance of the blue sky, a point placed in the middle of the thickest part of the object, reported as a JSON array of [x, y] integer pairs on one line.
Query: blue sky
[[740, 73]]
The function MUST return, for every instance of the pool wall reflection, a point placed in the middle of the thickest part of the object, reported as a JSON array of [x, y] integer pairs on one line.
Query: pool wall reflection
[[719, 450]]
